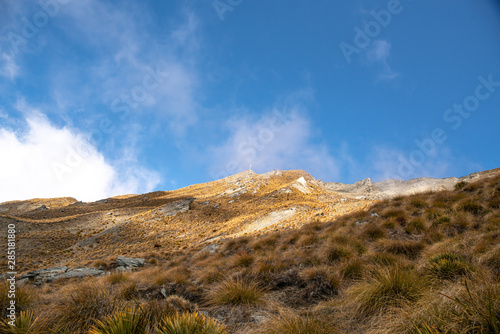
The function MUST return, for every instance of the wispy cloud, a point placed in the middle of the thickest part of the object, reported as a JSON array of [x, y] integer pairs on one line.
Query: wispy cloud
[[45, 161], [283, 138], [8, 66], [377, 56]]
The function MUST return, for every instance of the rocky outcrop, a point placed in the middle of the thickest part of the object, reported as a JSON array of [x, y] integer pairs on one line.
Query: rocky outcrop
[[129, 262], [301, 185], [271, 219], [48, 275], [171, 209]]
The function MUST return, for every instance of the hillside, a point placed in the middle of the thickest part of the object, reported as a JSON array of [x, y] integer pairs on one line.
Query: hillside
[[263, 252]]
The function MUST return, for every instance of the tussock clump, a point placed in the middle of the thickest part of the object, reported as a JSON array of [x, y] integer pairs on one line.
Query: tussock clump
[[321, 282], [236, 291], [154, 310], [416, 225], [471, 206], [129, 321], [353, 269], [374, 231], [82, 304], [397, 215], [190, 323], [177, 275], [448, 266], [384, 259], [289, 322], [25, 297], [410, 249], [243, 259], [474, 308], [117, 277], [492, 260], [418, 202], [335, 253], [26, 322], [387, 287]]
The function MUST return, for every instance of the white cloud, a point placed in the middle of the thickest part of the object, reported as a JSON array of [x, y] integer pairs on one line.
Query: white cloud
[[130, 51], [377, 56], [46, 161], [281, 139]]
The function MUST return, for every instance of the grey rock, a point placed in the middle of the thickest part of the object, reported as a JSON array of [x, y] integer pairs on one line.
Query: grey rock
[[171, 209], [47, 272], [130, 262], [78, 272], [210, 248]]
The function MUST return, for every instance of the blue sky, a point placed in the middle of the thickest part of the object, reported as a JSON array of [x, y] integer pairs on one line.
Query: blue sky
[[100, 98]]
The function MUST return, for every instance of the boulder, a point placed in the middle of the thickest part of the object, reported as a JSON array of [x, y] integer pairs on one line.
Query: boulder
[[171, 209], [123, 261], [45, 273], [78, 272]]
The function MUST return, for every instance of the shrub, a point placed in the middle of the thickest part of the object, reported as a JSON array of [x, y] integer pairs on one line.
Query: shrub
[[235, 292], [460, 185], [448, 266], [387, 287], [190, 323], [289, 322]]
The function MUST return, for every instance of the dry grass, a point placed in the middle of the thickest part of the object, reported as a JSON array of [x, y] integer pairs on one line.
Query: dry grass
[[386, 288], [288, 321], [235, 291], [377, 272]]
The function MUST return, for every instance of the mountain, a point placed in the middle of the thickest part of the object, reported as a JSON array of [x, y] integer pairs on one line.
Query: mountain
[[302, 247]]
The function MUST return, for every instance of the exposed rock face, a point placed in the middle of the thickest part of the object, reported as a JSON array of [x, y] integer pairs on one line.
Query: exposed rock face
[[363, 186], [48, 275], [271, 219], [301, 185], [171, 209], [78, 272], [127, 262]]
